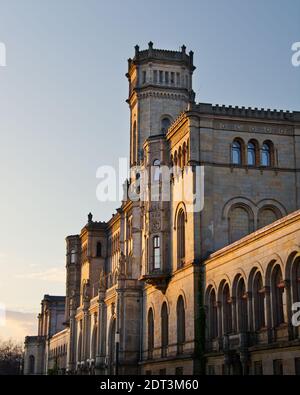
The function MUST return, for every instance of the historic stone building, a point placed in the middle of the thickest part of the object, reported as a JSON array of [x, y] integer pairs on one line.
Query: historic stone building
[[200, 273]]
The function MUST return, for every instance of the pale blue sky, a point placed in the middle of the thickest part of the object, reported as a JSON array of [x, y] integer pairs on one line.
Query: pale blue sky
[[63, 110]]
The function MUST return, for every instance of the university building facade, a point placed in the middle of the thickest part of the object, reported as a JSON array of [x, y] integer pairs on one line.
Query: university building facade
[[168, 287]]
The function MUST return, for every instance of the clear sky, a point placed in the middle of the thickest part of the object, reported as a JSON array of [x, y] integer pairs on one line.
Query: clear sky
[[63, 112]]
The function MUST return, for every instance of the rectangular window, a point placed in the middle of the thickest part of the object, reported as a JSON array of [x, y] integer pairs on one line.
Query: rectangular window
[[161, 78], [223, 370], [179, 371], [144, 77], [178, 79], [162, 372], [155, 76], [277, 367], [148, 373], [297, 366], [211, 370], [258, 368], [156, 252], [166, 77], [172, 78]]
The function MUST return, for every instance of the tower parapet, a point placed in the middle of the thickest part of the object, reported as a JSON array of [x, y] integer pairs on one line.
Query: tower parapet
[[160, 88]]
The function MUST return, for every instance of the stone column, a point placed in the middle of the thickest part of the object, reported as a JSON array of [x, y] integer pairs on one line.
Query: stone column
[[85, 330], [120, 323], [72, 342], [101, 335]]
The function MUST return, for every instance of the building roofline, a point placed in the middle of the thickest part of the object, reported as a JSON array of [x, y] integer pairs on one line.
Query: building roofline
[[288, 219]]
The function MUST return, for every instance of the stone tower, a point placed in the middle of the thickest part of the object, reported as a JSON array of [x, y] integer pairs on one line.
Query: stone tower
[[160, 88]]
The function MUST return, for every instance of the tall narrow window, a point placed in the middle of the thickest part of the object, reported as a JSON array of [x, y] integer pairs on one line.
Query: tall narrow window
[[99, 249], [172, 78], [227, 310], [133, 144], [31, 364], [180, 324], [167, 77], [277, 289], [251, 154], [155, 76], [213, 315], [242, 306], [161, 78], [259, 302], [156, 253], [178, 79], [180, 238], [150, 333], [144, 77], [164, 329], [165, 124], [156, 170], [73, 256], [266, 155], [237, 153], [296, 280]]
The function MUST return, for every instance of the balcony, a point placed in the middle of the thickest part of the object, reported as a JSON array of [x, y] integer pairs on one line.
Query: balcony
[[157, 279]]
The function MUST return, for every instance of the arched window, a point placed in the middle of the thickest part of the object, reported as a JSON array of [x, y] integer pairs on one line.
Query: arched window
[[156, 170], [180, 238], [150, 333], [277, 290], [79, 347], [184, 155], [180, 157], [99, 249], [239, 223], [212, 315], [134, 144], [266, 216], [94, 343], [258, 302], [112, 347], [31, 364], [180, 324], [165, 124], [295, 280], [251, 154], [156, 253], [237, 153], [73, 256], [164, 329], [266, 155], [227, 310], [242, 306]]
